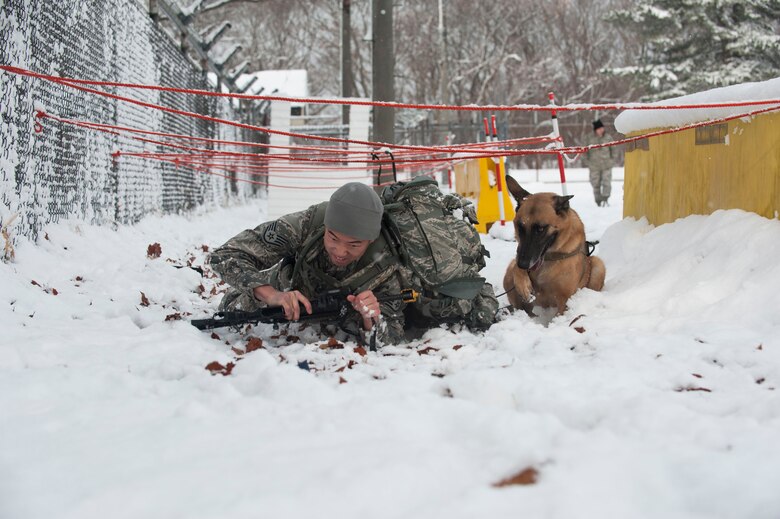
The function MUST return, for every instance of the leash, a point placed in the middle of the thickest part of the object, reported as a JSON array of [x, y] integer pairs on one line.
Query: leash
[[505, 293]]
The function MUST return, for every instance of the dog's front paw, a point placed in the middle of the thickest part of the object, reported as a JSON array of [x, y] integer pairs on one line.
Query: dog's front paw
[[523, 286], [520, 291]]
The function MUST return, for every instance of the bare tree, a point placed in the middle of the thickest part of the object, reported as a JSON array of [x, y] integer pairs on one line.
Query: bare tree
[[502, 52]]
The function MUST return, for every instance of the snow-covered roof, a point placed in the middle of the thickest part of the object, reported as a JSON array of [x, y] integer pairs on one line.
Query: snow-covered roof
[[291, 83], [638, 120]]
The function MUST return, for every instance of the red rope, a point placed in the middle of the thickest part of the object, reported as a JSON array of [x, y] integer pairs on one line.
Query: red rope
[[357, 102], [457, 148], [407, 156], [238, 179], [504, 152]]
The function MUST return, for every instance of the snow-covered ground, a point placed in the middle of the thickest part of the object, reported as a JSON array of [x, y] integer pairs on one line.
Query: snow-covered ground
[[660, 401]]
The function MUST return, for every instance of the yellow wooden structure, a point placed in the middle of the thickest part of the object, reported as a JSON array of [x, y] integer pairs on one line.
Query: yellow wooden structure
[[476, 179], [732, 165]]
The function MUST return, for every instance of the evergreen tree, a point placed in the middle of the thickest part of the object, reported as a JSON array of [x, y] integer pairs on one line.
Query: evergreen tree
[[694, 45]]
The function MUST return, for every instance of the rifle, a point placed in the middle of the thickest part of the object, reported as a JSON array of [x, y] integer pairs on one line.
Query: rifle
[[332, 304]]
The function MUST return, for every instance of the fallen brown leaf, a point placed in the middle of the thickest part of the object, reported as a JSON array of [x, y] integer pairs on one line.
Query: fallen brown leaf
[[215, 336], [342, 380], [579, 329], [347, 366], [426, 351], [526, 476], [144, 300], [215, 367], [153, 251], [254, 343], [692, 388], [576, 319], [360, 350], [332, 344]]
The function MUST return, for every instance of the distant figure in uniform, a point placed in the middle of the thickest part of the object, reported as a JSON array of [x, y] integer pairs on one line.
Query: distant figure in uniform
[[600, 162]]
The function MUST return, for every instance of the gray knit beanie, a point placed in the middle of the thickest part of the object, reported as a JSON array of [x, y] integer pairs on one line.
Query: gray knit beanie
[[355, 210]]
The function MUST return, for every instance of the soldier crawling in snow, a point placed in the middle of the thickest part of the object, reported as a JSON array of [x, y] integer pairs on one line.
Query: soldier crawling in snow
[[335, 244]]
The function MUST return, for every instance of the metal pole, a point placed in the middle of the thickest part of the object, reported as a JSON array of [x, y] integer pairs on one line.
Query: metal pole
[[383, 71], [499, 183], [558, 144], [346, 57], [444, 116]]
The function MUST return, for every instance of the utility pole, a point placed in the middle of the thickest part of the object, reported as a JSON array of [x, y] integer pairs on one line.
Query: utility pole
[[346, 57], [382, 73], [444, 77]]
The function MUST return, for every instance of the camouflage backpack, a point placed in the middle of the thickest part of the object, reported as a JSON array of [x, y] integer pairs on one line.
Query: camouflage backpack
[[442, 252]]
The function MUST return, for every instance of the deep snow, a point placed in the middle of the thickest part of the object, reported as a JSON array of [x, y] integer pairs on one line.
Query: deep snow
[[661, 401]]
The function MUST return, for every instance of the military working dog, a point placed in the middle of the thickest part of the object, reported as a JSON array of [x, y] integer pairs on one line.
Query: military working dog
[[553, 259]]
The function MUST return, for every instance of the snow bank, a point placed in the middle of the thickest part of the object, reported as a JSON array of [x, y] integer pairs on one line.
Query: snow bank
[[638, 120], [660, 400]]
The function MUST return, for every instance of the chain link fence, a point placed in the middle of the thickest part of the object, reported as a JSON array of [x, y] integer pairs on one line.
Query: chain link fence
[[67, 171]]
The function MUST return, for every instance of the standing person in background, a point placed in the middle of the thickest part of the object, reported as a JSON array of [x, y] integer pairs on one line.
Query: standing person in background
[[600, 161]]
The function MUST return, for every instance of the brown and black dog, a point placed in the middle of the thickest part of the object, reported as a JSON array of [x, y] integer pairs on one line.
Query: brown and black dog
[[553, 258]]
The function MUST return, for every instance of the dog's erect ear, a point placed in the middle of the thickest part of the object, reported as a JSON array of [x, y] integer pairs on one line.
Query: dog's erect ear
[[562, 204], [517, 192]]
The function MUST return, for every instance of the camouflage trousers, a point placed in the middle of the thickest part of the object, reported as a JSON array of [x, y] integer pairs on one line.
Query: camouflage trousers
[[601, 181], [478, 313]]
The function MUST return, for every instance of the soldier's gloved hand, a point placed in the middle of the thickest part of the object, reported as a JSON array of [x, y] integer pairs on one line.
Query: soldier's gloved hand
[[366, 305], [290, 301]]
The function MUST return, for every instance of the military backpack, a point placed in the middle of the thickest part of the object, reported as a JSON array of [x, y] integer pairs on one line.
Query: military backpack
[[433, 237]]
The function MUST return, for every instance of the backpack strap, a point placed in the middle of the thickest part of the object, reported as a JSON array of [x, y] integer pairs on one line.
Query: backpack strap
[[315, 223]]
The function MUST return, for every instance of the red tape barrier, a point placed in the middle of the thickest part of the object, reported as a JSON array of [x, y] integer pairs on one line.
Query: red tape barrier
[[406, 155]]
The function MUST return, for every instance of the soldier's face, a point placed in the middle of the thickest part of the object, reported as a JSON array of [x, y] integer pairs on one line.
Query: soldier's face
[[343, 249]]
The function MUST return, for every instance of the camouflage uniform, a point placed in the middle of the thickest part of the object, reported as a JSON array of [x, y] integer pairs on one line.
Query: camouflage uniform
[[600, 162], [272, 254]]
